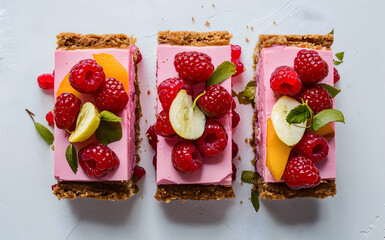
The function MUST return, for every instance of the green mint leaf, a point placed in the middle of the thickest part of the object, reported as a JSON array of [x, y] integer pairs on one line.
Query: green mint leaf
[[298, 115], [337, 62], [326, 116], [340, 56], [221, 73], [247, 176], [108, 132], [72, 158], [109, 117], [332, 32], [44, 133], [233, 93], [248, 95], [255, 200], [332, 90]]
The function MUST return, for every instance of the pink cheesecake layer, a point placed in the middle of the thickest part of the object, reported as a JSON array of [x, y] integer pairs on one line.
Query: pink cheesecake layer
[[124, 148], [270, 59], [215, 170]]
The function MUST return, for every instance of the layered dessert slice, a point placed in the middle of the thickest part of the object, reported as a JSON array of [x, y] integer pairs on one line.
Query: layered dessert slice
[[194, 115], [294, 127], [96, 113]]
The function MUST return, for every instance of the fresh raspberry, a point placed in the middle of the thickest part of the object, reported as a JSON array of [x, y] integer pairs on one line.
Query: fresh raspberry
[[309, 65], [216, 102], [169, 88], [111, 96], [49, 117], [301, 172], [139, 172], [318, 98], [186, 157], [53, 186], [163, 126], [235, 149], [236, 51], [97, 160], [193, 66], [154, 160], [235, 119], [214, 139], [233, 104], [284, 80], [336, 76], [46, 81], [313, 147], [66, 110], [152, 137], [240, 68], [234, 175], [86, 76]]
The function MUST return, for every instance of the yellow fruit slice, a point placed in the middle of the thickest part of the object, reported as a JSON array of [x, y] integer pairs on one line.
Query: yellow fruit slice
[[277, 152], [65, 86], [325, 131], [87, 123], [112, 68]]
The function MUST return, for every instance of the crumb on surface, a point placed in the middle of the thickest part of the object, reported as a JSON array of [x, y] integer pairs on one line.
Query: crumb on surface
[[207, 23], [247, 26], [241, 202], [274, 22], [252, 28], [246, 140], [146, 120], [148, 92], [247, 40], [193, 19], [53, 147], [213, 5], [239, 158], [183, 201], [202, 6]]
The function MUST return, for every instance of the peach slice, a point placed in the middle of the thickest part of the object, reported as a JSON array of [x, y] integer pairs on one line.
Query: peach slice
[[112, 68], [65, 86], [325, 131], [277, 152]]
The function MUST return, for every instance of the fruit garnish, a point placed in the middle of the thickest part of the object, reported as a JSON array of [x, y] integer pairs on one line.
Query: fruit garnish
[[67, 107], [86, 76], [277, 152], [185, 157], [139, 172], [43, 131], [248, 95], [313, 147], [284, 80], [301, 172], [187, 120], [111, 96], [216, 102], [87, 123], [49, 117], [317, 98], [336, 76], [234, 149], [214, 139], [46, 81], [152, 137], [72, 158], [236, 51], [340, 58], [169, 88], [325, 131], [163, 126], [221, 73], [234, 174], [193, 66], [290, 134], [310, 66]]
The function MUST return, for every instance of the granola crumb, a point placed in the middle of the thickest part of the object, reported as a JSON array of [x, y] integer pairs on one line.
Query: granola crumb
[[252, 28], [148, 92], [207, 23], [247, 26], [247, 40], [193, 19], [241, 202], [274, 22], [184, 201], [146, 120], [246, 140], [140, 139], [213, 5], [53, 147], [202, 6]]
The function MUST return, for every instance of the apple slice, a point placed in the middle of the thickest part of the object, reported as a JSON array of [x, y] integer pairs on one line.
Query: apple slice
[[290, 134], [187, 120]]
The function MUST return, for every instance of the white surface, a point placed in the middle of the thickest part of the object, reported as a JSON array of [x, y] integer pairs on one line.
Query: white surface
[[28, 210]]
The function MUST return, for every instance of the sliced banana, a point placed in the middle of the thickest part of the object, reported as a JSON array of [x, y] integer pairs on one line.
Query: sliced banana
[[187, 122]]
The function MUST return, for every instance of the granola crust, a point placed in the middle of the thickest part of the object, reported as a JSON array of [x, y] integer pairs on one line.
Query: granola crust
[[115, 190], [194, 191], [280, 191], [197, 39]]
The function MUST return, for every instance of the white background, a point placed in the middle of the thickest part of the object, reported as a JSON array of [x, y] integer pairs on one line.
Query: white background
[[28, 210]]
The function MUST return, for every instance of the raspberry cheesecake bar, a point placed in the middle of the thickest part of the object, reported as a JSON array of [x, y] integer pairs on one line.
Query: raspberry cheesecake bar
[[294, 127], [195, 111], [96, 116]]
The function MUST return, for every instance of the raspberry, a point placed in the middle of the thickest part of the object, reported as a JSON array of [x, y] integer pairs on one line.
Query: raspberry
[[214, 139], [216, 102], [139, 172], [49, 117], [86, 76], [193, 66], [152, 137], [186, 157], [336, 76], [97, 160], [234, 175], [233, 104], [284, 80], [154, 160], [235, 149], [240, 68], [169, 88], [235, 119], [139, 57], [66, 110], [301, 172], [163, 126], [46, 81], [236, 51], [313, 147], [53, 186], [111, 96], [309, 65], [318, 98]]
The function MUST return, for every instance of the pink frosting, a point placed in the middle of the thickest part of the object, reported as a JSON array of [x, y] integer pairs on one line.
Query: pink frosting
[[125, 148], [270, 59], [215, 170]]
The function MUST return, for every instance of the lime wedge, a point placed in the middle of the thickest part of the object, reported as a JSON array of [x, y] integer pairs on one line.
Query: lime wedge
[[86, 124]]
